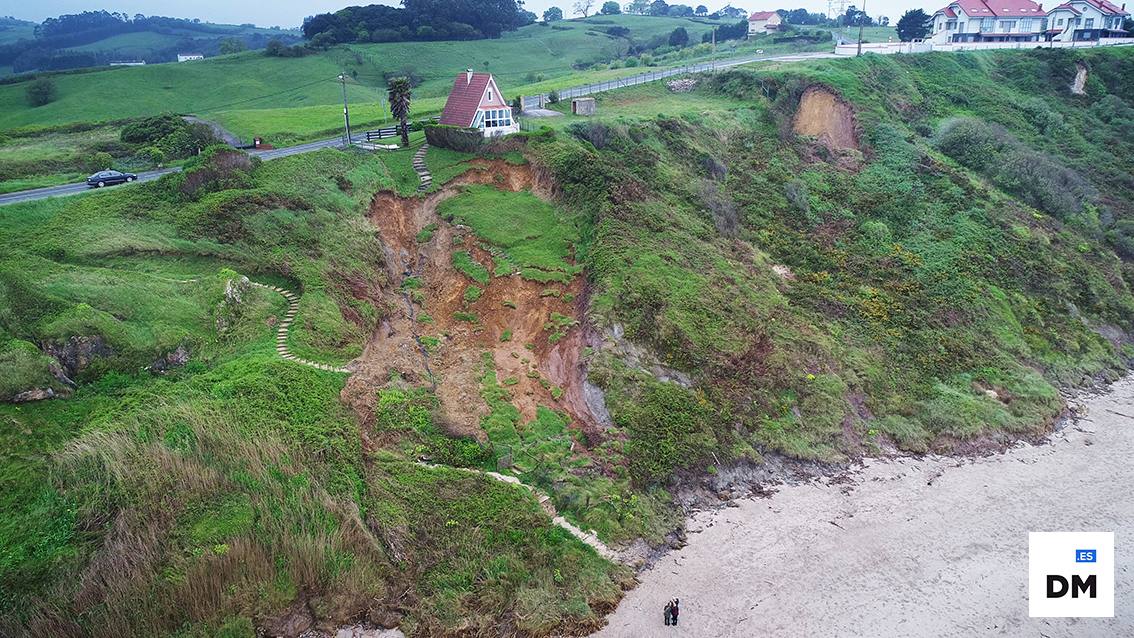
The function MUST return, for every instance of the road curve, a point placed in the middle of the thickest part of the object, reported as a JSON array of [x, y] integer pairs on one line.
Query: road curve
[[73, 189]]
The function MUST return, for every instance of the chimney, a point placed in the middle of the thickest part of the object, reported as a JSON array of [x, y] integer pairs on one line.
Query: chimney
[[468, 76]]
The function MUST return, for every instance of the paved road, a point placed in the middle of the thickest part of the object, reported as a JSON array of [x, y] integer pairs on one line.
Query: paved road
[[532, 101], [72, 189]]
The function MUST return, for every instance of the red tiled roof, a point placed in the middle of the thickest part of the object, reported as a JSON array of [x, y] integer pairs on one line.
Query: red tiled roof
[[464, 99], [1106, 7], [997, 8], [1068, 7], [761, 15], [949, 13]]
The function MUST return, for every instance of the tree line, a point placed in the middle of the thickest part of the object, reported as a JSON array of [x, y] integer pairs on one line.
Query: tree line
[[50, 48], [418, 20]]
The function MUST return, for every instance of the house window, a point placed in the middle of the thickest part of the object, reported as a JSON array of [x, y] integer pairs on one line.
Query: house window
[[497, 117], [489, 95], [1090, 23], [1026, 25], [951, 25], [986, 24], [1007, 26], [960, 27], [1078, 21], [1059, 22]]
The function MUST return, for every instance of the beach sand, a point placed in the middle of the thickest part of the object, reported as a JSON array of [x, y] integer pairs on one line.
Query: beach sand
[[934, 546]]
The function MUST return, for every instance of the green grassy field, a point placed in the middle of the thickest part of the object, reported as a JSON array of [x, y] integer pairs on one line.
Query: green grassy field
[[292, 99]]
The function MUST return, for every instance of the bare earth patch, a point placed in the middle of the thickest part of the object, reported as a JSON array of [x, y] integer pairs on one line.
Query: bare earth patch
[[436, 336]]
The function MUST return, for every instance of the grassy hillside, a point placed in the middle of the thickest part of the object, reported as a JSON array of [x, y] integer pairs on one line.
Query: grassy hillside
[[250, 92], [877, 287]]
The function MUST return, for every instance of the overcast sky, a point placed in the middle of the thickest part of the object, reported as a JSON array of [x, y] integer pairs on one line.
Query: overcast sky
[[290, 13]]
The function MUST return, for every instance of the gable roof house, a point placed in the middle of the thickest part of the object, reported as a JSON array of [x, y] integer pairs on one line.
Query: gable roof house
[[763, 22], [1079, 20], [476, 102], [988, 21]]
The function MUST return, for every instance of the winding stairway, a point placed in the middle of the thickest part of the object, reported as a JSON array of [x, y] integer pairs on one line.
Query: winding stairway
[[281, 330], [421, 169]]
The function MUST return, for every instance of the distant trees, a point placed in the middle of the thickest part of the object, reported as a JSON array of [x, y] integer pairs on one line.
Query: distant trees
[[735, 13], [583, 7], [679, 37], [700, 10], [232, 45], [734, 31], [399, 95], [802, 17], [637, 7], [418, 20], [41, 92], [853, 18], [610, 7], [553, 14], [659, 8], [277, 49], [679, 11], [913, 25]]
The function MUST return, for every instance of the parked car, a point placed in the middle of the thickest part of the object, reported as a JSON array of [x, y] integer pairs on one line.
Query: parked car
[[109, 178]]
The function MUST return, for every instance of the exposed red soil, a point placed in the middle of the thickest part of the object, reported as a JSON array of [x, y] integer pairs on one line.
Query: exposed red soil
[[824, 115], [530, 363]]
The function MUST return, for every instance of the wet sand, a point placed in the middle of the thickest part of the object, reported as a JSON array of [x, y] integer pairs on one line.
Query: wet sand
[[911, 547]]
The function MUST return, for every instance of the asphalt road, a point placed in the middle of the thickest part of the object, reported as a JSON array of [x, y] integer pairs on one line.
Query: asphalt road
[[532, 101], [72, 189]]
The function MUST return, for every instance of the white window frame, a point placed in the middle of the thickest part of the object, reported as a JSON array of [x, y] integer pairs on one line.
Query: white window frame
[[489, 94], [1026, 25], [1007, 26], [987, 24], [1089, 23]]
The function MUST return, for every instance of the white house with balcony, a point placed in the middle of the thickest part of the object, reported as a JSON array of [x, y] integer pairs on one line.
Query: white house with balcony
[[988, 21], [1080, 20]]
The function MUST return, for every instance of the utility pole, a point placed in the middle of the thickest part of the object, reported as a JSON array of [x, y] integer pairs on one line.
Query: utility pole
[[861, 23], [346, 111]]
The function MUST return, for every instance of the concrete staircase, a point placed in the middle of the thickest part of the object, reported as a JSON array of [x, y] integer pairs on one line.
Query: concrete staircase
[[421, 169]]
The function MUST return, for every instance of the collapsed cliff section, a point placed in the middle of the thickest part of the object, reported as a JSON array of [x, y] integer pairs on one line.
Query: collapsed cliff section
[[456, 297]]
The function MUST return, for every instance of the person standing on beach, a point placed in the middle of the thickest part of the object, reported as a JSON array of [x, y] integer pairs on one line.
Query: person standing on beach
[[673, 609], [668, 612]]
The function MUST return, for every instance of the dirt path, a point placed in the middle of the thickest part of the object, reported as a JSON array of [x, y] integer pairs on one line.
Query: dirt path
[[912, 547]]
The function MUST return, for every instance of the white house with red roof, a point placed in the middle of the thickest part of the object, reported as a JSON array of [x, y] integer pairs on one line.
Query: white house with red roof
[[763, 22], [476, 102], [1079, 20], [988, 21]]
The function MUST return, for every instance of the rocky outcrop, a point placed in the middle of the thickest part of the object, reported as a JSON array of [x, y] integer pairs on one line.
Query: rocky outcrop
[[167, 362], [77, 353]]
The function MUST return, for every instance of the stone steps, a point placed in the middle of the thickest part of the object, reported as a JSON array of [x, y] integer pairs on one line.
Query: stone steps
[[282, 329], [421, 169]]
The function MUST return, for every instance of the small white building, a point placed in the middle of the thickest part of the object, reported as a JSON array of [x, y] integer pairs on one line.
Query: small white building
[[188, 57], [1080, 20], [762, 22], [476, 102]]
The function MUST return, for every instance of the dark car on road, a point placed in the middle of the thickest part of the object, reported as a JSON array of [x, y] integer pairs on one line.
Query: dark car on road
[[109, 178]]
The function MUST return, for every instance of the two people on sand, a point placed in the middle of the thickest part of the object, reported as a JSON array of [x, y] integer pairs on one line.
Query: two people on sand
[[671, 611]]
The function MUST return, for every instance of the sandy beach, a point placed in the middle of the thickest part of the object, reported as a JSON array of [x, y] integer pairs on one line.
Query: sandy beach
[[932, 546]]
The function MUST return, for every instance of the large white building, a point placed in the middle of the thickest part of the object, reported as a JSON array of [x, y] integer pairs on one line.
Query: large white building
[[764, 22], [989, 21], [1026, 21]]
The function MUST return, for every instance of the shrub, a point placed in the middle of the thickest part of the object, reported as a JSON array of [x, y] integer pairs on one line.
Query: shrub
[[41, 92], [100, 161], [553, 97], [455, 138]]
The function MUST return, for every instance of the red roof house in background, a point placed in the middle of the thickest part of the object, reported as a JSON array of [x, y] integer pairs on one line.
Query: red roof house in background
[[476, 102], [763, 22]]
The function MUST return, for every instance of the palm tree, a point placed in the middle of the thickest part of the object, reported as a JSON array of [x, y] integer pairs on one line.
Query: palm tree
[[400, 104]]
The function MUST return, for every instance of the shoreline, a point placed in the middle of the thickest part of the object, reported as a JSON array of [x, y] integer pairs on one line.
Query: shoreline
[[752, 566]]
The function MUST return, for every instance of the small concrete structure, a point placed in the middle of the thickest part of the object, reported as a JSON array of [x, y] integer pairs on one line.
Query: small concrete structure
[[189, 57], [583, 106]]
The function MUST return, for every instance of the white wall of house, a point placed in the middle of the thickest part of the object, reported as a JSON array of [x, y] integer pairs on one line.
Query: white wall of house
[[944, 27], [756, 27], [1089, 17]]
